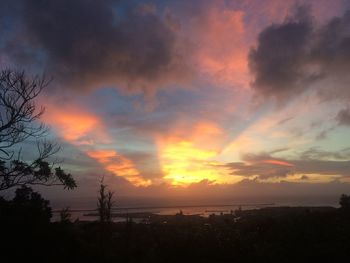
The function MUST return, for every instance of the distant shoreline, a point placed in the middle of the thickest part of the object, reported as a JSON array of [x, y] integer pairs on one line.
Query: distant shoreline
[[268, 210], [172, 207]]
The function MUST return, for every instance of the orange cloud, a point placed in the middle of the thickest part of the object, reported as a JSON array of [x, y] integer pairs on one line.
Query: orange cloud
[[75, 125], [277, 162], [103, 156], [206, 129], [222, 49], [204, 133], [119, 165], [86, 131]]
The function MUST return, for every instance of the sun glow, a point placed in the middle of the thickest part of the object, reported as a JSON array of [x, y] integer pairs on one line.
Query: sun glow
[[183, 164]]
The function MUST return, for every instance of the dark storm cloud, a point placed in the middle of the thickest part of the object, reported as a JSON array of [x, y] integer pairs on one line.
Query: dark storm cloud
[[85, 43], [256, 165], [262, 170], [323, 167], [298, 55], [316, 153], [312, 161], [332, 48], [280, 52], [343, 117]]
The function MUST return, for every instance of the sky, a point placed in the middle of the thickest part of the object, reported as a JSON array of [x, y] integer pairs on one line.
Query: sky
[[207, 99]]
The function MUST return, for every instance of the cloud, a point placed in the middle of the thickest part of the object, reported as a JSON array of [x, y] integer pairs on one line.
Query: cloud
[[119, 166], [316, 153], [87, 133], [299, 55], [188, 156], [321, 167], [279, 54], [262, 170], [75, 125], [85, 44], [291, 190], [221, 41], [264, 166], [343, 117], [332, 47], [278, 162]]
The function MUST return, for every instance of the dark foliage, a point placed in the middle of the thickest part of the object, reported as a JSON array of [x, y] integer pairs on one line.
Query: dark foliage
[[345, 202], [65, 215], [26, 208], [281, 234]]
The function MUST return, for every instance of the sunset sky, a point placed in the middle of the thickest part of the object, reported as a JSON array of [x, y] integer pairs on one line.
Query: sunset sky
[[191, 98]]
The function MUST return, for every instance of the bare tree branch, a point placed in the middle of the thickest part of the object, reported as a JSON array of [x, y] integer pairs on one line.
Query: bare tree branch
[[20, 120]]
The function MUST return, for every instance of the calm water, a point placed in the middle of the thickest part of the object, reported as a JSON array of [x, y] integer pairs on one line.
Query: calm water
[[197, 209], [202, 210]]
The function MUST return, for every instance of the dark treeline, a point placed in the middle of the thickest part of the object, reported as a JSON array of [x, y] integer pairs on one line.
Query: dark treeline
[[265, 235]]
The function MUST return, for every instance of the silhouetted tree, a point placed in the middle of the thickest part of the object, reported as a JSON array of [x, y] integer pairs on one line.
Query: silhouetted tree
[[27, 207], [344, 201], [19, 121], [105, 203], [65, 215], [238, 211]]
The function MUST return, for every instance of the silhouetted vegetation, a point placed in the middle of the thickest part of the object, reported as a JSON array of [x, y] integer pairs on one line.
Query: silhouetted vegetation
[[19, 121], [345, 202], [105, 203], [65, 215], [26, 207], [275, 234]]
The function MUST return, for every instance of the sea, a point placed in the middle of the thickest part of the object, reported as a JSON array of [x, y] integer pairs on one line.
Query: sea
[[204, 208]]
